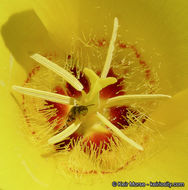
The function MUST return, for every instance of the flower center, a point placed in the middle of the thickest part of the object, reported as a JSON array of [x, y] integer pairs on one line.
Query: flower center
[[90, 117], [96, 85]]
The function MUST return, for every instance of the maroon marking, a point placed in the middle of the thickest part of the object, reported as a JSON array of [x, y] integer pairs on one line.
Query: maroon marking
[[135, 51], [118, 116], [28, 79], [30, 75], [148, 73], [101, 43], [69, 56], [71, 91], [94, 141], [68, 143], [138, 56], [147, 70], [113, 89], [80, 172], [122, 45], [143, 63], [59, 90], [62, 109]]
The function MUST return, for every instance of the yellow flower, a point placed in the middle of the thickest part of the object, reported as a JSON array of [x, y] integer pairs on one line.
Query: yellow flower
[[154, 32]]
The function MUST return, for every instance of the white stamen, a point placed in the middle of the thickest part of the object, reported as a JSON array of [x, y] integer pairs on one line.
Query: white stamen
[[110, 50], [126, 99], [45, 95], [64, 134], [58, 70], [118, 132]]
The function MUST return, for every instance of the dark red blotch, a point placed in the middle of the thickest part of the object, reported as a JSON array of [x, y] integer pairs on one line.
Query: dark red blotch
[[113, 89], [93, 142], [118, 116], [68, 143], [62, 109], [71, 91]]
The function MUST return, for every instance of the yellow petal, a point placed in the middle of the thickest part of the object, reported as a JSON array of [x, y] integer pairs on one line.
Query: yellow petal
[[155, 24], [170, 164], [173, 112], [23, 34], [60, 18], [156, 28]]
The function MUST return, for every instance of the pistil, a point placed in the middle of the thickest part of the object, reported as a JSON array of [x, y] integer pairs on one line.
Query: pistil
[[97, 84]]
